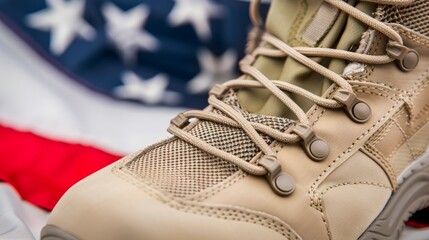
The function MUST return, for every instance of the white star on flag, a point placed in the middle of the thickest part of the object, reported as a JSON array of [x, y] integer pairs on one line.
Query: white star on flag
[[197, 13], [213, 71], [125, 30], [65, 21], [150, 91]]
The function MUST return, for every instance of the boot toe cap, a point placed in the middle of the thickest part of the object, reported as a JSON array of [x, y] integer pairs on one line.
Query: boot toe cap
[[112, 205]]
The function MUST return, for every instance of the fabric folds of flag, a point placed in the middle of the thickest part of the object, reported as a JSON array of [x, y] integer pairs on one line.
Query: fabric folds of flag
[[86, 82]]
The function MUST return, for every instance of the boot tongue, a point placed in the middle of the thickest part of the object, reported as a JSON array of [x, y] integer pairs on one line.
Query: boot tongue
[[310, 23], [288, 19]]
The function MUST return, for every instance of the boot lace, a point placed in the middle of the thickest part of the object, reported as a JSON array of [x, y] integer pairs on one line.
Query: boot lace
[[268, 165]]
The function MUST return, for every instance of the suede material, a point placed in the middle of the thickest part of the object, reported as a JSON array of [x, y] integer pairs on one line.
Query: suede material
[[413, 87], [411, 150], [303, 210], [110, 205]]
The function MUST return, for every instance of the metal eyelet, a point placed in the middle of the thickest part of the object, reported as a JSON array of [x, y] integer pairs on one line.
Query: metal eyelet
[[356, 109], [315, 147], [280, 182], [406, 58]]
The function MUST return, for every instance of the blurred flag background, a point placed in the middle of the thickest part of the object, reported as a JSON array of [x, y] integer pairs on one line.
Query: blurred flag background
[[83, 83]]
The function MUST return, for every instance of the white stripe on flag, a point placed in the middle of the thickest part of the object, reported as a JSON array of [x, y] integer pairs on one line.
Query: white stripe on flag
[[36, 96]]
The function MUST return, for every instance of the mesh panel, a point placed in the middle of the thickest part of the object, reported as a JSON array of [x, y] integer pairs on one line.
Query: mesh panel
[[181, 169], [414, 16]]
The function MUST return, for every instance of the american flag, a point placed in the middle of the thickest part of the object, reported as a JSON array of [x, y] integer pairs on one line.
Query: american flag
[[85, 82]]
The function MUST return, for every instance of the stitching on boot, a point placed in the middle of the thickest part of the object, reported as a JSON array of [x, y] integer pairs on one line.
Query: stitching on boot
[[209, 192], [367, 90], [325, 221], [220, 212], [242, 215], [384, 130], [376, 154], [349, 149], [320, 200], [355, 183], [406, 137], [378, 157], [313, 193], [411, 35], [421, 83], [415, 130], [317, 203], [418, 88]]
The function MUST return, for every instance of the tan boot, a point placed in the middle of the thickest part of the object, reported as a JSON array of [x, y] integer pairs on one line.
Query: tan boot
[[324, 137]]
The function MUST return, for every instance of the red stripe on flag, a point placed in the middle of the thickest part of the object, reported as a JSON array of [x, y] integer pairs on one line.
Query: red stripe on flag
[[42, 169]]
